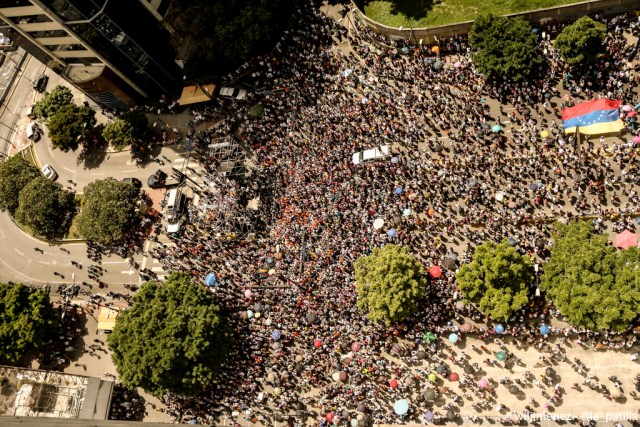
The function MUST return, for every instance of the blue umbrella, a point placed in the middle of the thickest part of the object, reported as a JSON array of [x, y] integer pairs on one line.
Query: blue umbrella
[[401, 407], [210, 280], [394, 160], [428, 416], [496, 128], [405, 49], [276, 335], [399, 190], [406, 212], [453, 338], [545, 329], [249, 314], [392, 232], [499, 329]]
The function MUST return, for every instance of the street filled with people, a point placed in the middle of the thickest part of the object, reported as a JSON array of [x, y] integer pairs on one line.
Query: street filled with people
[[470, 161]]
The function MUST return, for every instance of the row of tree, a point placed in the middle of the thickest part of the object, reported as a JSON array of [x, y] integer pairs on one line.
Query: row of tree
[[70, 125], [504, 48], [590, 282]]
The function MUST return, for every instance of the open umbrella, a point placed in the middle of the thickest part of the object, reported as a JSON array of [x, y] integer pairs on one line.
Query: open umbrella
[[394, 159], [211, 280], [483, 383], [398, 190], [468, 369], [257, 307], [457, 64], [249, 314], [499, 329], [441, 369], [550, 372], [449, 263], [422, 355], [432, 377], [277, 391], [512, 205], [347, 72], [626, 239], [336, 376], [428, 416], [466, 327], [545, 329], [378, 223], [501, 356], [454, 377], [429, 394], [544, 134], [429, 337], [401, 407], [330, 416], [453, 338], [393, 383], [343, 376], [406, 212], [499, 196], [496, 128], [312, 318], [451, 415], [317, 343], [435, 271], [392, 232], [636, 139], [435, 49], [355, 346], [248, 293], [276, 335], [438, 65], [514, 389]]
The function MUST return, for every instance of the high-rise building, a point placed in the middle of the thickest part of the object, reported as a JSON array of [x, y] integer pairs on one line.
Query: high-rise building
[[116, 51]]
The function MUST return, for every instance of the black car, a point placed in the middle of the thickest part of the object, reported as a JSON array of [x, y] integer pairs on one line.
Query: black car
[[41, 84], [133, 181], [157, 180]]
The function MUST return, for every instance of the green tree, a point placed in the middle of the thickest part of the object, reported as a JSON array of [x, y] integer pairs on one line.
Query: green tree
[[53, 101], [503, 48], [172, 339], [389, 284], [108, 211], [582, 41], [69, 125], [27, 321], [42, 207], [126, 129], [15, 174], [593, 284], [496, 280]]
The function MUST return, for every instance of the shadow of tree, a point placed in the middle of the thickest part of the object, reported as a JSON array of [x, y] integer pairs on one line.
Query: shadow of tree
[[94, 152]]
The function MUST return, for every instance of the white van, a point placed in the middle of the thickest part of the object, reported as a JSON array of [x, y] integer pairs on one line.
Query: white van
[[33, 131], [371, 154], [173, 197]]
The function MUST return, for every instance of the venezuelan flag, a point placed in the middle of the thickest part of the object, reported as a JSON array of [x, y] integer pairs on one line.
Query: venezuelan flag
[[593, 117]]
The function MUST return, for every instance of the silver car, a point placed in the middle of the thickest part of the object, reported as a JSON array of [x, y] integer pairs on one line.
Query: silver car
[[49, 173]]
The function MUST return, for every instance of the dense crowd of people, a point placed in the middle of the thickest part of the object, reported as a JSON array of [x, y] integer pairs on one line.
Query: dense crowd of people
[[471, 161]]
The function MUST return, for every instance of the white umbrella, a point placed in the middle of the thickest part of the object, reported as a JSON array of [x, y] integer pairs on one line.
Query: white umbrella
[[500, 196], [378, 223]]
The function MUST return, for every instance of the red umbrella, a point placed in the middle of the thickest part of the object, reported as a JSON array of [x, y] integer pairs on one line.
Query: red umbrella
[[393, 383], [454, 377], [355, 346], [329, 416], [343, 376], [317, 343], [435, 271], [626, 239], [466, 327]]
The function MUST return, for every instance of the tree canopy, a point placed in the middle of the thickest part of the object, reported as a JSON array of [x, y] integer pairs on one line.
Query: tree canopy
[[15, 174], [582, 41], [53, 101], [172, 339], [126, 129], [108, 211], [496, 280], [503, 48], [27, 320], [222, 34], [593, 284], [389, 284], [69, 125], [42, 207]]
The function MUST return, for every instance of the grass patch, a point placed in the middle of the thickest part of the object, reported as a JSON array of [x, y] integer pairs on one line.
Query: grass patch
[[28, 156], [72, 232], [432, 13]]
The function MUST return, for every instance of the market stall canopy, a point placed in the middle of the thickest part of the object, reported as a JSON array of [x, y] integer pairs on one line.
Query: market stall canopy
[[626, 239], [107, 319], [196, 93]]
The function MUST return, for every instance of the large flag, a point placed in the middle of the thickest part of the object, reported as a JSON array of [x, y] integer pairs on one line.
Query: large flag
[[593, 117]]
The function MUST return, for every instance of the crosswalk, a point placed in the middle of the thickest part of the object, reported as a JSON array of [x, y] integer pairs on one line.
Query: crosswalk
[[152, 263], [179, 163]]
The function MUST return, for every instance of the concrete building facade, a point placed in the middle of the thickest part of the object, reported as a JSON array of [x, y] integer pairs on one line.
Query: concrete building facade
[[116, 51]]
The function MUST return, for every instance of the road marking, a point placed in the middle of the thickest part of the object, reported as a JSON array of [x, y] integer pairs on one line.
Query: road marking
[[157, 269], [67, 169], [2, 231], [98, 174], [129, 272], [130, 170], [147, 245], [44, 262], [16, 249], [24, 275], [114, 262]]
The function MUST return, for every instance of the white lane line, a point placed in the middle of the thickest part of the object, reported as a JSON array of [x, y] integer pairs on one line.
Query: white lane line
[[157, 268], [98, 174], [33, 279], [16, 249], [114, 262], [2, 232], [67, 169], [130, 170], [147, 245], [44, 262]]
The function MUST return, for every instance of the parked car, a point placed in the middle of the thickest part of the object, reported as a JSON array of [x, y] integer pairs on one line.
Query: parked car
[[371, 154], [233, 92], [49, 173], [133, 181], [41, 84]]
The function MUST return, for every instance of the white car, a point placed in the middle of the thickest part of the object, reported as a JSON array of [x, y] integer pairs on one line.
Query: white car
[[371, 154], [49, 173], [233, 92]]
